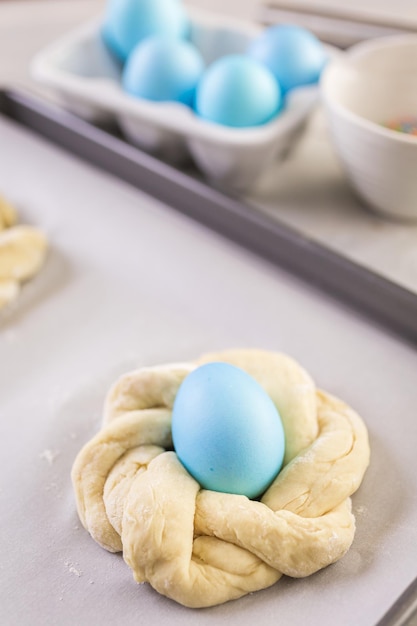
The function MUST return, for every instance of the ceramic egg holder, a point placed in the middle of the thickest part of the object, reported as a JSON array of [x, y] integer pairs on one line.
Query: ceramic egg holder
[[87, 81]]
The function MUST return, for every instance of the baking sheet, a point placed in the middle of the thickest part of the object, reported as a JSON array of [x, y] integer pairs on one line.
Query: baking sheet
[[376, 296], [130, 282], [341, 25]]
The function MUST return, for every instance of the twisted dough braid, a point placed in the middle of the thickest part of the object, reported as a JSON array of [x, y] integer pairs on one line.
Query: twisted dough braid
[[201, 547], [22, 253]]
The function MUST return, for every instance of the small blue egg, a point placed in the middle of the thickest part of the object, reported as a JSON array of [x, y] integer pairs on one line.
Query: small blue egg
[[293, 54], [227, 431], [238, 91], [163, 69], [127, 22]]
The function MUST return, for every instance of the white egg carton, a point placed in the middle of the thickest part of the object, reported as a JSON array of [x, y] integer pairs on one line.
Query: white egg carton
[[86, 79]]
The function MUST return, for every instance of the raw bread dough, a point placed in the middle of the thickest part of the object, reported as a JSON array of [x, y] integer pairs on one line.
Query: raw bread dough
[[22, 253], [201, 547]]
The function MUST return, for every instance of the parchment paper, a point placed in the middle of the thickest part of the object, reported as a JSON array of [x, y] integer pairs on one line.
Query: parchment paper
[[130, 282]]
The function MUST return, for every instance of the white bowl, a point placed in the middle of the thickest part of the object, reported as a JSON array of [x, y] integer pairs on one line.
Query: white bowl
[[374, 83], [87, 79]]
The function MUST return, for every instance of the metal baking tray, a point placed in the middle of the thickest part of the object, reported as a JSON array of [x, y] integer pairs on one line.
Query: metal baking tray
[[373, 295], [341, 25], [379, 299]]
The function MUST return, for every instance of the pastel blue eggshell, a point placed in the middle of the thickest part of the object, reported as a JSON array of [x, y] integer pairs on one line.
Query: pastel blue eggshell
[[293, 54], [238, 91], [128, 22], [163, 69], [227, 431]]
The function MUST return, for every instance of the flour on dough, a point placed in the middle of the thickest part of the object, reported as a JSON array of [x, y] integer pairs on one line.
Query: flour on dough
[[200, 547]]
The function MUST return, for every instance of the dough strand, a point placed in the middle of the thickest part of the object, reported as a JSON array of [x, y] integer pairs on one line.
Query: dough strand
[[22, 253], [200, 547]]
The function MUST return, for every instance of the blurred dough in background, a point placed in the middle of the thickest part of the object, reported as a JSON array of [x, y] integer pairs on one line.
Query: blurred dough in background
[[22, 253]]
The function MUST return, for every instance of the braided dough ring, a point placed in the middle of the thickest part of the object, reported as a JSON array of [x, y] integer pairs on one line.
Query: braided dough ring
[[22, 253], [202, 547]]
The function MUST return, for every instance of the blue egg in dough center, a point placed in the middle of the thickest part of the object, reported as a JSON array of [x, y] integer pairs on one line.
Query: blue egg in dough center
[[226, 430]]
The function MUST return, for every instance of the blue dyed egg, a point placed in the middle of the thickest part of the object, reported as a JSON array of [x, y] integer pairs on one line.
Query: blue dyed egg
[[128, 22], [162, 69], [294, 55], [238, 91], [227, 431]]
